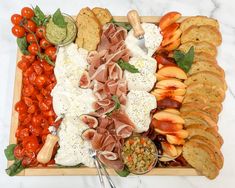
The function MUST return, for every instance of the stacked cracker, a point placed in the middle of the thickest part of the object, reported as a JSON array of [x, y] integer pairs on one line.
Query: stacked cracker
[[205, 92], [89, 23]]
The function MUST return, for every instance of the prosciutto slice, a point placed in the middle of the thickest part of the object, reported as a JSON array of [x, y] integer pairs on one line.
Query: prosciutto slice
[[106, 81]]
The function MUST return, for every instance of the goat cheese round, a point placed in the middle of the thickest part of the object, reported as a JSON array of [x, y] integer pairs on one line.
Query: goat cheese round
[[138, 108]]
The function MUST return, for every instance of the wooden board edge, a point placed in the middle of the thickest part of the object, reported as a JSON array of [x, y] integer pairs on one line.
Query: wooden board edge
[[84, 171]]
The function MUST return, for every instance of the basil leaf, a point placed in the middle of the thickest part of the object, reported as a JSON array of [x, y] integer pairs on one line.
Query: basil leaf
[[36, 20], [15, 168], [9, 152], [58, 19], [127, 66], [184, 60], [124, 173], [38, 13], [117, 104], [76, 166], [125, 25], [23, 45], [46, 20]]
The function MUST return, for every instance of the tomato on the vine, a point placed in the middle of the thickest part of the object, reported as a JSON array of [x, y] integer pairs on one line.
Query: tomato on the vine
[[18, 31], [51, 52], [16, 19], [33, 48], [31, 38], [44, 44], [19, 152], [27, 12], [41, 32], [30, 26]]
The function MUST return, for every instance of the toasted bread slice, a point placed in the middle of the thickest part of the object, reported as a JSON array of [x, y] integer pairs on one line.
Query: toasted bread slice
[[211, 92], [198, 21], [203, 56], [199, 66], [201, 99], [206, 77], [202, 33], [219, 159], [201, 158], [188, 107], [103, 15], [89, 30], [197, 117], [199, 47], [209, 133]]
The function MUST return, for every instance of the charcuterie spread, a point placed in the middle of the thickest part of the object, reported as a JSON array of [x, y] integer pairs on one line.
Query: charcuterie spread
[[140, 95]]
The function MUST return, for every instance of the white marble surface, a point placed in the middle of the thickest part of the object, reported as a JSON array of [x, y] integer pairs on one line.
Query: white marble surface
[[223, 10]]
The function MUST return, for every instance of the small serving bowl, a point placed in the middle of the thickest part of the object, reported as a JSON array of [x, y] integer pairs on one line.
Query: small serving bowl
[[139, 154]]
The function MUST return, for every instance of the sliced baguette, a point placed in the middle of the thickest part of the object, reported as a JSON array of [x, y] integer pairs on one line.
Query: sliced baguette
[[89, 30], [198, 21], [103, 15], [197, 117], [211, 92], [218, 154], [201, 158], [199, 107], [203, 56], [206, 77], [197, 129], [202, 33], [204, 47], [199, 66]]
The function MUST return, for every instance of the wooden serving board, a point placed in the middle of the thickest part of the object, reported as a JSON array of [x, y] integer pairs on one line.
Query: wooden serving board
[[82, 171]]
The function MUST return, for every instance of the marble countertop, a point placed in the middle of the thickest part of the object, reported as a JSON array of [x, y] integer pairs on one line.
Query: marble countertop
[[223, 10]]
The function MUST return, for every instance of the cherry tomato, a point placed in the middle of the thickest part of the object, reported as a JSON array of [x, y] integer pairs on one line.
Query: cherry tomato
[[40, 80], [43, 106], [29, 57], [45, 92], [44, 44], [18, 31], [49, 113], [33, 49], [30, 143], [47, 67], [30, 26], [22, 133], [26, 80], [19, 152], [36, 120], [21, 107], [39, 97], [31, 38], [40, 32], [16, 19], [37, 68], [28, 101], [26, 161], [35, 130], [28, 72], [27, 12], [50, 87], [23, 64], [32, 109], [22, 117], [28, 90], [32, 78], [51, 52], [27, 120]]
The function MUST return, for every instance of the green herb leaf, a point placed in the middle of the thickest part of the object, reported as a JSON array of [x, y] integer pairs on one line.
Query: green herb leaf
[[184, 60], [23, 45], [124, 173], [38, 13], [125, 25], [15, 168], [127, 66], [117, 105], [76, 166], [9, 152], [46, 20], [58, 19]]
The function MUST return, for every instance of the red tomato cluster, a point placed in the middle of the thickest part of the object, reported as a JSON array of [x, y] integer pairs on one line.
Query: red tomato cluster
[[35, 107]]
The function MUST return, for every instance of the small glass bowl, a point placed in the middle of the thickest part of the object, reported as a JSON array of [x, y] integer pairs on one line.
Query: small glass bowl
[[72, 37], [153, 163]]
